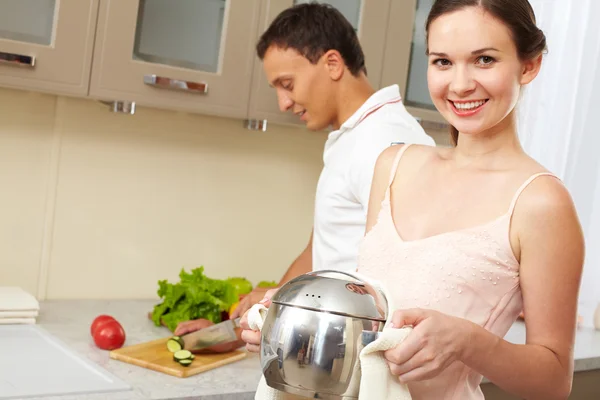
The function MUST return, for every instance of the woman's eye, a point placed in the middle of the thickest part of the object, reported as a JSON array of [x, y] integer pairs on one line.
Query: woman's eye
[[441, 62], [485, 60], [287, 86]]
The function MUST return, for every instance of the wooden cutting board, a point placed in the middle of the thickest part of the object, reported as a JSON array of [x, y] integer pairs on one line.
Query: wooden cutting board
[[155, 356]]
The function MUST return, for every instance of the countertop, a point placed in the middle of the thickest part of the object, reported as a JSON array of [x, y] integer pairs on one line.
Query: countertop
[[69, 321]]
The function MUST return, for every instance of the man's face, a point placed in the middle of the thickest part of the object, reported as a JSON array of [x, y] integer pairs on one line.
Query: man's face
[[303, 88]]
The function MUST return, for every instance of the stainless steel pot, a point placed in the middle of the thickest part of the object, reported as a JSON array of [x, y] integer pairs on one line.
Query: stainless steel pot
[[314, 331]]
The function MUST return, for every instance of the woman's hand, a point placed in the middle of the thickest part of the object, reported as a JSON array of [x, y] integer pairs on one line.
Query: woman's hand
[[437, 340]]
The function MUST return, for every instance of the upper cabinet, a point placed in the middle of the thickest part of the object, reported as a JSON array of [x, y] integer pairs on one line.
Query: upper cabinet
[[369, 18], [194, 55], [46, 45], [405, 61], [186, 55]]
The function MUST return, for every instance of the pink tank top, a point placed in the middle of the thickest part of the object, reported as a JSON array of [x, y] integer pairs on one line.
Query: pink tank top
[[469, 273]]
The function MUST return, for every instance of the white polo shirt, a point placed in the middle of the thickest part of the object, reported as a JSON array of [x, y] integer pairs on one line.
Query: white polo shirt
[[342, 196]]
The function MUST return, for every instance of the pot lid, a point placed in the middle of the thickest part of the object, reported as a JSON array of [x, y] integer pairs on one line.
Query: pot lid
[[334, 292]]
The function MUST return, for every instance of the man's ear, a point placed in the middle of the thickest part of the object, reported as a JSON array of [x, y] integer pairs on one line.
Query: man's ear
[[334, 64], [531, 68]]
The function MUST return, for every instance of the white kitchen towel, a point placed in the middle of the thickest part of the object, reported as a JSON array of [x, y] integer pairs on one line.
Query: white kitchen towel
[[18, 314], [17, 321], [376, 380], [14, 298]]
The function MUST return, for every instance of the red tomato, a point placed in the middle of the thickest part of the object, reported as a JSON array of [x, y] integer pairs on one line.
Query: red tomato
[[109, 336], [224, 315], [99, 320]]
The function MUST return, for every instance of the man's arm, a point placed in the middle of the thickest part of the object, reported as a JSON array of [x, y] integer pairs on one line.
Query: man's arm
[[301, 265]]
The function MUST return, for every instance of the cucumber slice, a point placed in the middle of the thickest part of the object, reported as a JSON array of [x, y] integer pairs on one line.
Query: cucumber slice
[[186, 362], [182, 355], [174, 344]]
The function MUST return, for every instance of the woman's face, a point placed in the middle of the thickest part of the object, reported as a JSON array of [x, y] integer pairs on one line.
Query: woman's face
[[474, 73]]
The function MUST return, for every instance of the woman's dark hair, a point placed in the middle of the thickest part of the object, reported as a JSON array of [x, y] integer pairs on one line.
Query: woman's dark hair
[[517, 15], [312, 29]]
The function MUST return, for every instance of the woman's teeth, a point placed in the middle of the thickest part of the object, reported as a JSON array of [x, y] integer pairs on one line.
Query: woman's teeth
[[470, 105]]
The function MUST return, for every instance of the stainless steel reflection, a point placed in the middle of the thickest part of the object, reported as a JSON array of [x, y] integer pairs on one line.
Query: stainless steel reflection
[[310, 345]]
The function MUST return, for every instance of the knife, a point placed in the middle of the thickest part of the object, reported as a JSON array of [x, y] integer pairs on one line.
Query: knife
[[222, 332]]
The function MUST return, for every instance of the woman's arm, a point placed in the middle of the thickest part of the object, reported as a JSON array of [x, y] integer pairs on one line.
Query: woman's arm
[[551, 253]]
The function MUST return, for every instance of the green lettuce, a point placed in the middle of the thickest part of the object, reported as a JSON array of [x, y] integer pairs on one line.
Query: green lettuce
[[194, 296], [266, 284], [241, 285]]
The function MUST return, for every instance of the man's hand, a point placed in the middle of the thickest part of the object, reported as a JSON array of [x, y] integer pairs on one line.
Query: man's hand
[[248, 301], [191, 326], [252, 338], [196, 325]]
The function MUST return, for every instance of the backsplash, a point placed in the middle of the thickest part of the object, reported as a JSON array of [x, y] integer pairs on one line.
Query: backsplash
[[102, 205]]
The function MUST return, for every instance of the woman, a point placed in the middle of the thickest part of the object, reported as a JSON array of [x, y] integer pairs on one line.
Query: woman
[[472, 235]]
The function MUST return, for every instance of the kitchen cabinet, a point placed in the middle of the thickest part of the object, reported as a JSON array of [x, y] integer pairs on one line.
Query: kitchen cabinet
[[194, 56], [46, 45], [370, 19], [405, 62], [185, 55]]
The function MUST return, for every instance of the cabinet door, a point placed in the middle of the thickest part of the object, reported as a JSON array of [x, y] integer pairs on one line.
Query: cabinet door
[[405, 62], [189, 55], [370, 19], [46, 45]]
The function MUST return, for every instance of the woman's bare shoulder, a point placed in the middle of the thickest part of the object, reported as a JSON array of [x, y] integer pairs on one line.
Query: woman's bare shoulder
[[546, 195], [414, 156]]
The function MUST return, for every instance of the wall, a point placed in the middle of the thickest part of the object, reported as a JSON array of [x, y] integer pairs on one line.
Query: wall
[[101, 205]]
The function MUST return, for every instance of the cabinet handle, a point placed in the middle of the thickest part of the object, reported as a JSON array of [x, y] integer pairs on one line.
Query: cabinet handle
[[256, 124], [176, 84], [17, 59]]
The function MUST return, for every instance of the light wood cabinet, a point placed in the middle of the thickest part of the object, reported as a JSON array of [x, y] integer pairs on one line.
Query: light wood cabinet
[[46, 45], [370, 18], [194, 55], [186, 55]]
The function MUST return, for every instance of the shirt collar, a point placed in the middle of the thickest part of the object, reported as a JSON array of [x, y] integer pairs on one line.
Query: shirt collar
[[384, 95]]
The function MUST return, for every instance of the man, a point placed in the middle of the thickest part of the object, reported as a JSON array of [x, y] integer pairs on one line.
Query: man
[[312, 57]]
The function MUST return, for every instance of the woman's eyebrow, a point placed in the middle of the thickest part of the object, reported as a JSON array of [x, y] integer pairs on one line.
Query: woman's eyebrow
[[433, 53], [475, 52]]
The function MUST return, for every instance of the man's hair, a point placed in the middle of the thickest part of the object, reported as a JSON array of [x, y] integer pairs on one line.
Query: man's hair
[[313, 29]]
